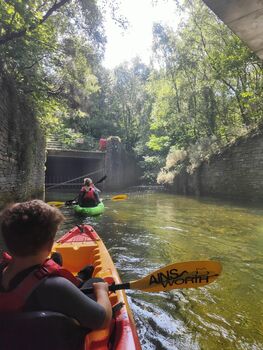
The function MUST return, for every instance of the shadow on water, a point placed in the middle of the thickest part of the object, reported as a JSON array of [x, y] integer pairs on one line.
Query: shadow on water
[[152, 229]]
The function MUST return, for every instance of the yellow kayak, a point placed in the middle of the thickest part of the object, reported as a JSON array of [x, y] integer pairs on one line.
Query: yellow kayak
[[82, 246]]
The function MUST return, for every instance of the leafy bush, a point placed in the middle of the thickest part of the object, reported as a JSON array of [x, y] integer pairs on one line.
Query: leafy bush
[[166, 177], [158, 143], [174, 156], [151, 166], [174, 163], [190, 159], [202, 150]]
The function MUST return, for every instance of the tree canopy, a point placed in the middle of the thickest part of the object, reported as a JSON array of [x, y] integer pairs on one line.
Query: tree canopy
[[202, 89]]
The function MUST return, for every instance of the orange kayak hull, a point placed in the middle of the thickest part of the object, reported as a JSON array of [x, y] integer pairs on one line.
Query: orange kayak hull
[[82, 246]]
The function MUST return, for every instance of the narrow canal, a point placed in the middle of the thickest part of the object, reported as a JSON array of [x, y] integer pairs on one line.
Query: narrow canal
[[153, 229], [150, 230]]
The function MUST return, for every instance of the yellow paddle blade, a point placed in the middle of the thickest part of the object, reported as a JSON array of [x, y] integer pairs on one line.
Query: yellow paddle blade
[[56, 204], [119, 197], [191, 274]]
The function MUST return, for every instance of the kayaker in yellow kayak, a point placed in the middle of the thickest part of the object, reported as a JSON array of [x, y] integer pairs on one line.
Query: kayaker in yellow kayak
[[89, 194], [30, 281]]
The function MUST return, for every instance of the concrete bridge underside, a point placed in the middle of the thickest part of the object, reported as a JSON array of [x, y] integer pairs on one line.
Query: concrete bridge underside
[[244, 18], [62, 166]]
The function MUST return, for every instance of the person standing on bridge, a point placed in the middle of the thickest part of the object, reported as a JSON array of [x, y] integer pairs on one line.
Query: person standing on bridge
[[102, 144], [89, 194]]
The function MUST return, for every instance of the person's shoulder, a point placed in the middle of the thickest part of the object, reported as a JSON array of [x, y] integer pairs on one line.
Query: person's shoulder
[[56, 281], [58, 287], [58, 284]]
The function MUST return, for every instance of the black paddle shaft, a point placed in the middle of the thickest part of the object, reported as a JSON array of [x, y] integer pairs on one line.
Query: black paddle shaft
[[112, 287], [102, 179]]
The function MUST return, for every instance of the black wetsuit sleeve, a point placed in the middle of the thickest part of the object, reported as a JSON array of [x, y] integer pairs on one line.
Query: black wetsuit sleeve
[[60, 295]]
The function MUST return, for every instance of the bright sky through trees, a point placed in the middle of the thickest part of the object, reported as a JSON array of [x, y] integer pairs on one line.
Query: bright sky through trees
[[122, 44]]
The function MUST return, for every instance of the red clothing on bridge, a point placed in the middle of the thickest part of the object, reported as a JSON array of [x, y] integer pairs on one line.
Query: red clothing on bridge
[[102, 144]]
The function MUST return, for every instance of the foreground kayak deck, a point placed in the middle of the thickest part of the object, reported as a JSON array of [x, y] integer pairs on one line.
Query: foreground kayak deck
[[92, 211], [82, 246]]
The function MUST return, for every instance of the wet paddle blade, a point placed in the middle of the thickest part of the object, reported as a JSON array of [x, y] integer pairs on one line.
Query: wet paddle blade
[[119, 197], [56, 204], [191, 274]]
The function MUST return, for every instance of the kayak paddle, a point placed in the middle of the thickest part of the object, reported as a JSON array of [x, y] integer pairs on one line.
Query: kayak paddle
[[118, 197], [60, 204], [191, 274], [72, 201]]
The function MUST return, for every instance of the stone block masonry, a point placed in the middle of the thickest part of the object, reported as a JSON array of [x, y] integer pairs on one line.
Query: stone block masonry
[[236, 173], [22, 147]]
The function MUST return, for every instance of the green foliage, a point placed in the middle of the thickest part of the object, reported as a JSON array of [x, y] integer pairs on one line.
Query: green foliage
[[158, 143], [207, 90], [151, 166], [202, 150], [174, 157], [202, 91], [120, 106], [51, 49], [128, 100], [175, 161]]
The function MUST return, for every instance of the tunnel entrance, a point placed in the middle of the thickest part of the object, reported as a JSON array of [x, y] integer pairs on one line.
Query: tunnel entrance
[[66, 169]]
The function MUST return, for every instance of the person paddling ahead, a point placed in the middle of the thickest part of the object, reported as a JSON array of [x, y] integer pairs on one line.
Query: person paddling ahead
[[88, 196]]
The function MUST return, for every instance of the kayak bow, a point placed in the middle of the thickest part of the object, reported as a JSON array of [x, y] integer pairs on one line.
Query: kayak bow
[[89, 211], [82, 246]]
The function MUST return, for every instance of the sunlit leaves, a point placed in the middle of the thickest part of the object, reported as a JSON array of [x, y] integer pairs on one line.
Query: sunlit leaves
[[52, 49], [209, 83], [158, 143]]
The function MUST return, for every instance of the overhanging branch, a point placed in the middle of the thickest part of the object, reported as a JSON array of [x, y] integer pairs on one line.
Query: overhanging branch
[[20, 33]]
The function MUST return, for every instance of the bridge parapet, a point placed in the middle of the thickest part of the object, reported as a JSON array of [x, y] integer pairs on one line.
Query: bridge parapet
[[67, 168], [75, 154]]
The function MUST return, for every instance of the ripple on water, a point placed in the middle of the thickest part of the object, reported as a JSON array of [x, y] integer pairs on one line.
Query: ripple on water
[[154, 230], [158, 330], [172, 228]]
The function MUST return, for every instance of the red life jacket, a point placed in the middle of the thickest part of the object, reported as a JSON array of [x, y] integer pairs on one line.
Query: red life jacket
[[90, 194], [15, 300]]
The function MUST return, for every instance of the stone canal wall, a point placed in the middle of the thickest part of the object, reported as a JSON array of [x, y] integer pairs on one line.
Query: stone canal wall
[[120, 167], [22, 147], [236, 173]]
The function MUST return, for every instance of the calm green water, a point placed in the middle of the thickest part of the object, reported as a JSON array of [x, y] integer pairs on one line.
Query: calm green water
[[150, 230], [153, 229]]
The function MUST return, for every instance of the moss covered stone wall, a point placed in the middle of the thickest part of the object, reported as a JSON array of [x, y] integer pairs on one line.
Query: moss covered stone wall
[[235, 173], [22, 147]]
